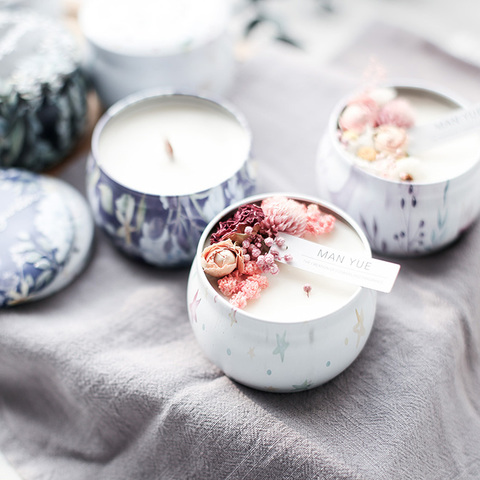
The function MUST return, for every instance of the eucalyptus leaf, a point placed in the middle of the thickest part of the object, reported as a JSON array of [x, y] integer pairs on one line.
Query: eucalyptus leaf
[[42, 264], [106, 198], [43, 279], [141, 212], [125, 206]]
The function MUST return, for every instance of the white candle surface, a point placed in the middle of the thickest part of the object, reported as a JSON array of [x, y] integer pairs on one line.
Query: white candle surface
[[446, 160], [449, 159], [208, 145], [285, 300], [152, 27]]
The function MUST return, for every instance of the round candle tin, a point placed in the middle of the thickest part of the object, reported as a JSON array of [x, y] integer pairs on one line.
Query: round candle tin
[[43, 92], [183, 45], [46, 231], [161, 229], [400, 218], [279, 356]]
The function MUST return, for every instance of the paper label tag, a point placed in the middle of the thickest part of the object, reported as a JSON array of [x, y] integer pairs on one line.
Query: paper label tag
[[316, 258], [458, 122]]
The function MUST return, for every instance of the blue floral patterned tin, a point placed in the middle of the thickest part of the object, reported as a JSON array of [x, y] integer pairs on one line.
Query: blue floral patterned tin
[[42, 229], [43, 92], [160, 230]]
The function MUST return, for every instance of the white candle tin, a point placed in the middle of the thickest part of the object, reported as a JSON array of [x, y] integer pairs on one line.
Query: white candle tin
[[163, 227], [400, 218], [43, 92], [142, 44], [279, 356]]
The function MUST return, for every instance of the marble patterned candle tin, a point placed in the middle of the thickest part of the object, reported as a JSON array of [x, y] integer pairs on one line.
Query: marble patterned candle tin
[[162, 228], [273, 354], [43, 92], [46, 233], [401, 218]]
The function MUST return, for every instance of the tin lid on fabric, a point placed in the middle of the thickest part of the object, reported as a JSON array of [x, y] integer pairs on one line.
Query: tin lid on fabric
[[42, 225]]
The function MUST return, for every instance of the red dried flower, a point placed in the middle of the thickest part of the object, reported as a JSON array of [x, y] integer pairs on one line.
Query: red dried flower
[[250, 215]]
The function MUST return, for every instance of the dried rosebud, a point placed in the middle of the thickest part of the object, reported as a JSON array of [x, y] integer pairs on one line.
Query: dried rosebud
[[390, 139], [222, 258]]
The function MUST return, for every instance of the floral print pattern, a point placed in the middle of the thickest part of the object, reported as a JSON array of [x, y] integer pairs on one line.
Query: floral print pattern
[[37, 235], [161, 230]]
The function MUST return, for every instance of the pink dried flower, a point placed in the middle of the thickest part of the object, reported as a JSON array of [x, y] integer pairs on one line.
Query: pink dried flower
[[269, 242], [356, 117], [273, 269], [366, 100], [284, 215], [398, 113], [288, 258], [261, 261], [251, 268], [269, 259], [390, 139], [307, 288], [246, 216], [318, 222], [222, 258], [243, 287], [280, 241]]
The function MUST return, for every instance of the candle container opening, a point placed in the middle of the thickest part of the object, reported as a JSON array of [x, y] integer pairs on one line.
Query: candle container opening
[[298, 329], [408, 203], [161, 166]]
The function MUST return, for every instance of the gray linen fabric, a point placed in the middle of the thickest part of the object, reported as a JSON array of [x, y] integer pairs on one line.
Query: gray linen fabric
[[105, 380]]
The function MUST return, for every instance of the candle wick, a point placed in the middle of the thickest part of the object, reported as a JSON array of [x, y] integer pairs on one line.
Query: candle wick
[[169, 150]]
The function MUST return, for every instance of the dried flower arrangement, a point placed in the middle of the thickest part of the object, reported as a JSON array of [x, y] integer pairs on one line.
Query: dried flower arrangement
[[374, 127], [240, 254]]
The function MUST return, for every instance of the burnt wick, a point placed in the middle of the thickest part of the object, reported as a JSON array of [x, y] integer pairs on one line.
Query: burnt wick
[[169, 150]]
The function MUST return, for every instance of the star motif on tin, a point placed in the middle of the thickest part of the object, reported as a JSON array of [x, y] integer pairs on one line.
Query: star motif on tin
[[304, 386], [282, 345], [193, 307], [233, 317], [359, 329]]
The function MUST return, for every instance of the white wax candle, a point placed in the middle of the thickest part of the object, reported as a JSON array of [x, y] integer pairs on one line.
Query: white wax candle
[[449, 159], [152, 27], [443, 161], [208, 145], [285, 300]]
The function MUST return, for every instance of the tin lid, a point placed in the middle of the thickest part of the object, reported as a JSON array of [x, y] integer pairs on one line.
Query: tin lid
[[35, 51], [41, 229]]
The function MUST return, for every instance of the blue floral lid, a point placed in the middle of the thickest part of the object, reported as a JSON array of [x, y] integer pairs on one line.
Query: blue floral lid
[[38, 235]]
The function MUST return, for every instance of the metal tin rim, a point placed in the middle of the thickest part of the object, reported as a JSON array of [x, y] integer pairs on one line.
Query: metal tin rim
[[255, 198], [405, 84], [146, 95]]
